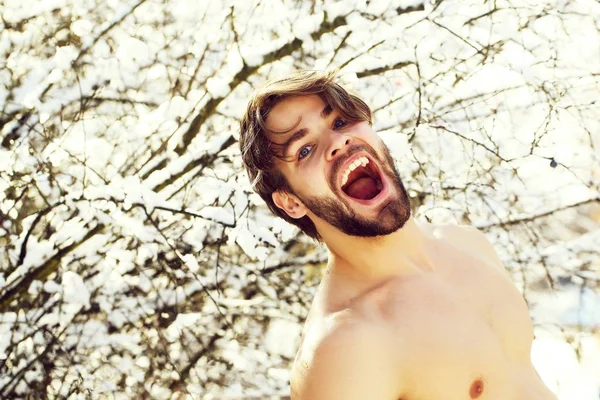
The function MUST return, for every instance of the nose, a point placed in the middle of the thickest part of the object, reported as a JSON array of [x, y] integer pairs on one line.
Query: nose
[[336, 147]]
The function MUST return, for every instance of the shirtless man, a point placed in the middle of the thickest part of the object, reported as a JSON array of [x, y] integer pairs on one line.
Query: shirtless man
[[406, 310]]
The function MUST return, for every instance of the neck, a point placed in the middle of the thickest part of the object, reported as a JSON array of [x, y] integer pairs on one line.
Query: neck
[[369, 260]]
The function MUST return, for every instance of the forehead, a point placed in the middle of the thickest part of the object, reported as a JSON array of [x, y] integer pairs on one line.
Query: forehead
[[287, 113]]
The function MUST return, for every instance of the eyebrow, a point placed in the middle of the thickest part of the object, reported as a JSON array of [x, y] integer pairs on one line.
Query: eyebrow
[[300, 133]]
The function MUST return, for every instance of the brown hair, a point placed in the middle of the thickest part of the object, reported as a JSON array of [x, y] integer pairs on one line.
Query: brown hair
[[258, 151]]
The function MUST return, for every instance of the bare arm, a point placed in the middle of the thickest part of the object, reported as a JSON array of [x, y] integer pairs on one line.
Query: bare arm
[[351, 364]]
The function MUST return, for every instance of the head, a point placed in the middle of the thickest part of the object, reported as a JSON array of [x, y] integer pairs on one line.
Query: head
[[312, 155]]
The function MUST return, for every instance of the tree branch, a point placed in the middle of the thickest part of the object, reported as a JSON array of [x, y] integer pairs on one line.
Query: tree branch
[[531, 218], [246, 72]]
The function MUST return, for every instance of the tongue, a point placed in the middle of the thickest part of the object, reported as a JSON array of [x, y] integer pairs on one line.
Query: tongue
[[364, 188]]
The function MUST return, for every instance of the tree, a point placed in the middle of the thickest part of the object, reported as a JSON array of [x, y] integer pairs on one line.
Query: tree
[[136, 262]]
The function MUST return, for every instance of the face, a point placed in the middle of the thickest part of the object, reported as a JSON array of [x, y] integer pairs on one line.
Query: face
[[341, 172]]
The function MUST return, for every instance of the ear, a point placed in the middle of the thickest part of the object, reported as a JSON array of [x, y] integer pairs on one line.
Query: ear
[[289, 203]]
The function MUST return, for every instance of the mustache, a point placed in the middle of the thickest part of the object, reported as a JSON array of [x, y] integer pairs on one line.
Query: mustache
[[337, 165]]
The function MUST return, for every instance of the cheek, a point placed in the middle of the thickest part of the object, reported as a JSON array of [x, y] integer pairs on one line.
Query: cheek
[[366, 133], [314, 177], [310, 180]]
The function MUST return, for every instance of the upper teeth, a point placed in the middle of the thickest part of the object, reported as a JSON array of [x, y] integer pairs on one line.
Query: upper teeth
[[355, 164]]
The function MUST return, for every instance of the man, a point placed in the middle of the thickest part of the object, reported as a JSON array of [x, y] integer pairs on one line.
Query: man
[[406, 310]]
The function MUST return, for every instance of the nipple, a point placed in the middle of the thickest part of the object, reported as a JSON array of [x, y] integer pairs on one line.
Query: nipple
[[476, 389]]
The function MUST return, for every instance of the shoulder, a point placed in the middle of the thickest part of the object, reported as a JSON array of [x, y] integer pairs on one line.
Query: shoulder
[[470, 239], [462, 233], [350, 360]]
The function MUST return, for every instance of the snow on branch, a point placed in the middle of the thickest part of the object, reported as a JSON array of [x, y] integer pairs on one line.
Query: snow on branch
[[137, 262]]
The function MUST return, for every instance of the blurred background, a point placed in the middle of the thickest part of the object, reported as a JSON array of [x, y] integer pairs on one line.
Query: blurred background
[[135, 260]]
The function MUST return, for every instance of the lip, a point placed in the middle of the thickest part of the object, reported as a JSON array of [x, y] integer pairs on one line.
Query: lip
[[384, 183]]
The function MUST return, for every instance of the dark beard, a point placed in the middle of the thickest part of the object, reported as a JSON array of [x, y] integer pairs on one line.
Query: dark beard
[[392, 215]]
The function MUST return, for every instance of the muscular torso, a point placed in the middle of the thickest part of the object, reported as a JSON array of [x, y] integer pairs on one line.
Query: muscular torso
[[461, 331]]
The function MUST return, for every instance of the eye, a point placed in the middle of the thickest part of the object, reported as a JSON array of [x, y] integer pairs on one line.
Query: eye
[[304, 152], [338, 123]]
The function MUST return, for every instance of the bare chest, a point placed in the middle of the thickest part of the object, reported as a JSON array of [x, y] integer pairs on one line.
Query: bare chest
[[459, 331]]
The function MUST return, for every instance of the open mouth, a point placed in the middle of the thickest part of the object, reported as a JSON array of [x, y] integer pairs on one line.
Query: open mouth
[[362, 180]]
